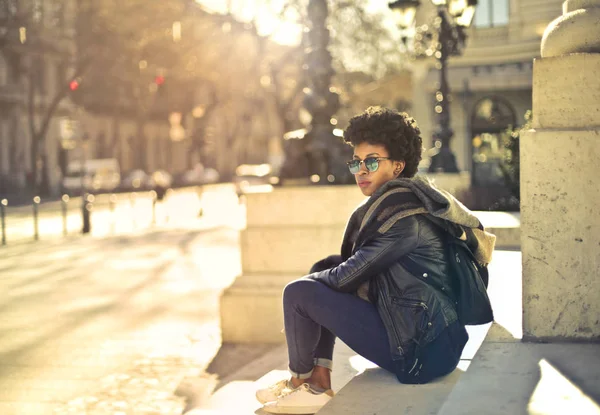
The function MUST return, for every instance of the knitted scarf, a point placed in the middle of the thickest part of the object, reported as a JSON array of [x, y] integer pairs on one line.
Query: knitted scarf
[[404, 197]]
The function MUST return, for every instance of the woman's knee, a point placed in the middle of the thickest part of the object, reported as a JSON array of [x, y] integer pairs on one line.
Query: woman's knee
[[298, 289]]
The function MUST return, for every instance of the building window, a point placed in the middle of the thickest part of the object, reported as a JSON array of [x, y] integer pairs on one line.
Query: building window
[[491, 13], [490, 123]]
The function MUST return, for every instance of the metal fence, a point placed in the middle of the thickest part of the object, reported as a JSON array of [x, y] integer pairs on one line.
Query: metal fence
[[100, 215]]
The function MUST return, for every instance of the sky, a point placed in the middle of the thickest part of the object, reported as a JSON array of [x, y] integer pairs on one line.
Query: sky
[[268, 23]]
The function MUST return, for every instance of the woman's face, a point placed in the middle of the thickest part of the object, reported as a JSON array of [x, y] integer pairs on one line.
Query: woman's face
[[370, 181]]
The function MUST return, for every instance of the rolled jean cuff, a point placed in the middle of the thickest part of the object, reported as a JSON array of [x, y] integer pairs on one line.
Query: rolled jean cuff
[[300, 375], [326, 363]]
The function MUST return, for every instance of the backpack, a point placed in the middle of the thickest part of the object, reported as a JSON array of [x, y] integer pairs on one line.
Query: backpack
[[469, 281]]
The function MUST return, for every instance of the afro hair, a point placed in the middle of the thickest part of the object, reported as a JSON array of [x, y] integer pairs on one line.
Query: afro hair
[[396, 131]]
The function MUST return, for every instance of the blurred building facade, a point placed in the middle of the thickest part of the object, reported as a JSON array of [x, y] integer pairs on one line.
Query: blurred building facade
[[242, 130], [21, 22], [491, 83], [37, 48]]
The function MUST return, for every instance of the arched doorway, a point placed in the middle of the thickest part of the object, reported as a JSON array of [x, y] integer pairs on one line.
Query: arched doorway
[[491, 119]]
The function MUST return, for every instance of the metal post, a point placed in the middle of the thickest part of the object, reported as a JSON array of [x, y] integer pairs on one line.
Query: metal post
[[36, 234], [3, 205], [85, 216], [85, 208], [65, 200], [86, 212], [154, 196], [444, 160]]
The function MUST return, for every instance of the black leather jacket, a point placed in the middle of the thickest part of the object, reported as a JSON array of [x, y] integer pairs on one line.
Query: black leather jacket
[[415, 309]]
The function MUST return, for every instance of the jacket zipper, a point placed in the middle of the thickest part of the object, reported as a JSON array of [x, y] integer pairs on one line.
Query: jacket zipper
[[396, 335], [409, 303]]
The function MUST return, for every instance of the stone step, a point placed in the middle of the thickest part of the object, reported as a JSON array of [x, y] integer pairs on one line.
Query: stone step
[[235, 393], [529, 378], [378, 392], [373, 390]]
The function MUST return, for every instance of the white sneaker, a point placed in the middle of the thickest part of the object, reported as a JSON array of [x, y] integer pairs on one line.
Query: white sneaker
[[273, 392], [302, 400]]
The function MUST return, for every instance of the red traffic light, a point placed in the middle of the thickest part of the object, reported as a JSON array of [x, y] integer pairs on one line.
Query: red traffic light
[[159, 80], [73, 85]]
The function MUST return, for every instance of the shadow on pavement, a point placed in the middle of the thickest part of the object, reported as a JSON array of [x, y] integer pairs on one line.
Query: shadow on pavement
[[233, 362]]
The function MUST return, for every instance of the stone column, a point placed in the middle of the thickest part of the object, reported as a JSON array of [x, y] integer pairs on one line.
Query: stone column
[[560, 193]]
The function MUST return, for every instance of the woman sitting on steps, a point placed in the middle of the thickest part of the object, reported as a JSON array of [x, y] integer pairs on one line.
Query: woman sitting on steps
[[406, 324]]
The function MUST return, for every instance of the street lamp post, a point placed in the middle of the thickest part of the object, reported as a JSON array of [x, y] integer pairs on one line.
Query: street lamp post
[[445, 36], [317, 151]]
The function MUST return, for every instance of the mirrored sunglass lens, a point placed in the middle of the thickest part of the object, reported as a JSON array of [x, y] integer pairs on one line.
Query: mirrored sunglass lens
[[354, 166], [371, 163]]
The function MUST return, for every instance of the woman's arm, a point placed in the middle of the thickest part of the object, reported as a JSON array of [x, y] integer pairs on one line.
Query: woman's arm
[[372, 258]]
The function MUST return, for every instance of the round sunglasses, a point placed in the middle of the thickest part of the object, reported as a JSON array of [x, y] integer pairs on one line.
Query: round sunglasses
[[371, 163]]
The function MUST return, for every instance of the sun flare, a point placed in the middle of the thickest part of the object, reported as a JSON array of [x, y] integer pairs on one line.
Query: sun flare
[[281, 30]]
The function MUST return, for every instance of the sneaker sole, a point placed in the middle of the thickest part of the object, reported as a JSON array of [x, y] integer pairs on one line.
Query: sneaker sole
[[292, 410], [263, 401]]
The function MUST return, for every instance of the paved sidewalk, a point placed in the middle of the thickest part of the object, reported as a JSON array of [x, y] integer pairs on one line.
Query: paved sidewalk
[[112, 325]]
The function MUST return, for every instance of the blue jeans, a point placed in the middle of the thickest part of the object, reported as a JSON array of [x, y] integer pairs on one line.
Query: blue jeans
[[314, 315]]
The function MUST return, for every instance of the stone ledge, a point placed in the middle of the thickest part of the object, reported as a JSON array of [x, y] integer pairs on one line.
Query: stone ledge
[[505, 225], [529, 378], [302, 205], [290, 249], [322, 205], [506, 237], [294, 248], [378, 392]]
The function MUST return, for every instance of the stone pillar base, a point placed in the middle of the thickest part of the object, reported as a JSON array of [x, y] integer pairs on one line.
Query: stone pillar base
[[251, 309], [288, 230]]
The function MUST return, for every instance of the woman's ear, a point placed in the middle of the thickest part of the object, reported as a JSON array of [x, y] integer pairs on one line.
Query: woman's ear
[[399, 167]]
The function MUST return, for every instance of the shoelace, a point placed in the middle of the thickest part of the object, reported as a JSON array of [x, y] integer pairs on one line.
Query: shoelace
[[304, 386], [280, 387], [286, 388]]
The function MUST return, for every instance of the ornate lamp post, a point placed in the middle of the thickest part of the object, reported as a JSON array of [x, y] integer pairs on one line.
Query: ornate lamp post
[[443, 37], [318, 153]]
